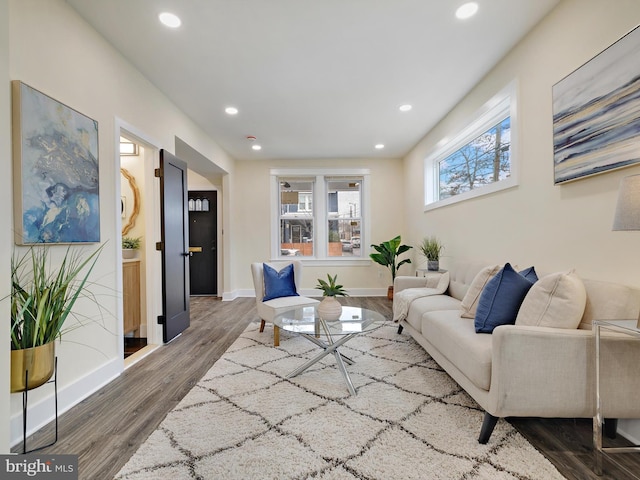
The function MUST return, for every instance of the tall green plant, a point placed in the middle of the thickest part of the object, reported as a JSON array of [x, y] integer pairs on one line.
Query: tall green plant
[[42, 297], [388, 253]]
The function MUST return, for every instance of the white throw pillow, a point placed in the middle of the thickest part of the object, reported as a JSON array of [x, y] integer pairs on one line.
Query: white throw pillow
[[438, 282], [557, 300], [469, 303]]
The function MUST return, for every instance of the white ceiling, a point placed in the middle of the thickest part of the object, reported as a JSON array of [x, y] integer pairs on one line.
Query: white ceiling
[[314, 78]]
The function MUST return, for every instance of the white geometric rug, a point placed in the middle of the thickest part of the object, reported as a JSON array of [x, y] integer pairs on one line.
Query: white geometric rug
[[410, 420]]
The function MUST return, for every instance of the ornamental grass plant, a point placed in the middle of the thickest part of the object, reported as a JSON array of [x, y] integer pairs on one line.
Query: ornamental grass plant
[[43, 296]]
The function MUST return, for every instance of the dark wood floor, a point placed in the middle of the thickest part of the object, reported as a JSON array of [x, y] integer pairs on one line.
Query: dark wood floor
[[107, 428]]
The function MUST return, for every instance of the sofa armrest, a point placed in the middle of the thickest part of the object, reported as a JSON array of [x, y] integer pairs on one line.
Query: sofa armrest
[[401, 282], [550, 372]]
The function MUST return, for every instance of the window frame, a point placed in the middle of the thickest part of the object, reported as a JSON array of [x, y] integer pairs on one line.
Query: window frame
[[499, 107], [320, 176]]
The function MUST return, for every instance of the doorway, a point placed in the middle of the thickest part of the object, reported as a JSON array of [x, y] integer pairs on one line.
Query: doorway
[[140, 218], [203, 227]]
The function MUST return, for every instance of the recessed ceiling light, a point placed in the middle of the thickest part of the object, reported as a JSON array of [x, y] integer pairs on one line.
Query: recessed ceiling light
[[256, 147], [467, 10], [405, 108], [170, 20], [379, 146], [231, 110]]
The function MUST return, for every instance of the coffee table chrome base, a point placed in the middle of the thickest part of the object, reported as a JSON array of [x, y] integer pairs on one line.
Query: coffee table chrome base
[[331, 347]]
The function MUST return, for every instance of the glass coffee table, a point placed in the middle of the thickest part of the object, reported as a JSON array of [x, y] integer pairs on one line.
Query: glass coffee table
[[329, 335]]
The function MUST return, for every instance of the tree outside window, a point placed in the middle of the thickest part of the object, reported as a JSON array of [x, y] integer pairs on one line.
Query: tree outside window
[[484, 160]]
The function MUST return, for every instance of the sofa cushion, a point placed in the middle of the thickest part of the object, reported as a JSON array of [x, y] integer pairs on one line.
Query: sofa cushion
[[430, 304], [556, 300], [278, 283], [455, 337], [470, 301], [501, 299]]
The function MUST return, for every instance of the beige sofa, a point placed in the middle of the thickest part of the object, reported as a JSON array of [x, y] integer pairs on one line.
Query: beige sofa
[[530, 371]]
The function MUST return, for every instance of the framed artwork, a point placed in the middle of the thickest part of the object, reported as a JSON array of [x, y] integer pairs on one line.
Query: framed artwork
[[596, 113], [56, 181]]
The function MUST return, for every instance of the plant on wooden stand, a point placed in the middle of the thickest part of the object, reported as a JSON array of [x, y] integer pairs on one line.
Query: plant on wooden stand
[[330, 308], [42, 298], [387, 256]]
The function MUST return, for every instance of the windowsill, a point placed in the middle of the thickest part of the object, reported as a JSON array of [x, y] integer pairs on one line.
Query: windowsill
[[478, 192], [332, 262]]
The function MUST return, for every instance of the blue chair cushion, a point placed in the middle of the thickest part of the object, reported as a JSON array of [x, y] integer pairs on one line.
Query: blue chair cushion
[[278, 284], [501, 299]]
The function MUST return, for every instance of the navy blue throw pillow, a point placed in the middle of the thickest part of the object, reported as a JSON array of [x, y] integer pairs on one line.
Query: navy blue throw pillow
[[530, 274], [278, 284], [501, 299]]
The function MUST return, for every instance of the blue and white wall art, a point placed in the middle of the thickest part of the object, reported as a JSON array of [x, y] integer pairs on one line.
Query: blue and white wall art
[[596, 113], [55, 171]]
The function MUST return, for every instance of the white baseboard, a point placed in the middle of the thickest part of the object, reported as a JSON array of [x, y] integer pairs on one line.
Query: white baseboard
[[630, 429], [42, 411]]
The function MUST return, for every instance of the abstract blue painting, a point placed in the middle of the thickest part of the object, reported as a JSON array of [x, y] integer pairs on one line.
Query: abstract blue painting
[[56, 181], [596, 113]]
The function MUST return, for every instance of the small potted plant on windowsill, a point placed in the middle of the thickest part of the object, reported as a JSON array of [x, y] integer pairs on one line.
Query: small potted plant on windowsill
[[130, 246], [329, 308]]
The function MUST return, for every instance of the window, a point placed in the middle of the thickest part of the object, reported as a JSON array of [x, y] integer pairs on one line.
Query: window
[[479, 160], [320, 215], [344, 206], [296, 217]]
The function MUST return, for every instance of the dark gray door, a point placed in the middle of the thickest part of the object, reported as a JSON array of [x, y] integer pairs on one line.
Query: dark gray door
[[175, 245], [203, 227]]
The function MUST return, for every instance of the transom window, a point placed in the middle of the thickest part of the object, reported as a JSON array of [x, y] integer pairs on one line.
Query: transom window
[[320, 216], [478, 160], [484, 160]]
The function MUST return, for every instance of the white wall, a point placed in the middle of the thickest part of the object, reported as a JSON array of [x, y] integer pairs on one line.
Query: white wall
[[5, 219], [251, 236], [53, 50], [537, 223], [553, 227]]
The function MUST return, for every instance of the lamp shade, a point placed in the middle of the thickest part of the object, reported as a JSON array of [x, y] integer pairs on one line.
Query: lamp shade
[[628, 208]]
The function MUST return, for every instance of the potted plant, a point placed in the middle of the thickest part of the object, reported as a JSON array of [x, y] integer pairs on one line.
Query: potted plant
[[330, 308], [431, 248], [130, 245], [387, 256], [42, 297]]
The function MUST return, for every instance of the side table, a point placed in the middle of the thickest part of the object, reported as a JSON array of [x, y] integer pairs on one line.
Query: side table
[[424, 272], [627, 327]]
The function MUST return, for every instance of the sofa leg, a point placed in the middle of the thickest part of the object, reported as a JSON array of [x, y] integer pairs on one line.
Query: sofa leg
[[262, 322], [400, 327], [276, 336], [610, 427], [488, 425]]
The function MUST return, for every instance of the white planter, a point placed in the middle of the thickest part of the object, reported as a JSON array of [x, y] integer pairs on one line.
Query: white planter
[[128, 253], [329, 309]]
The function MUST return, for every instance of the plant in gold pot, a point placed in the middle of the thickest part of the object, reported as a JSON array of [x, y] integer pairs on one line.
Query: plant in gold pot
[[42, 298], [329, 308]]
